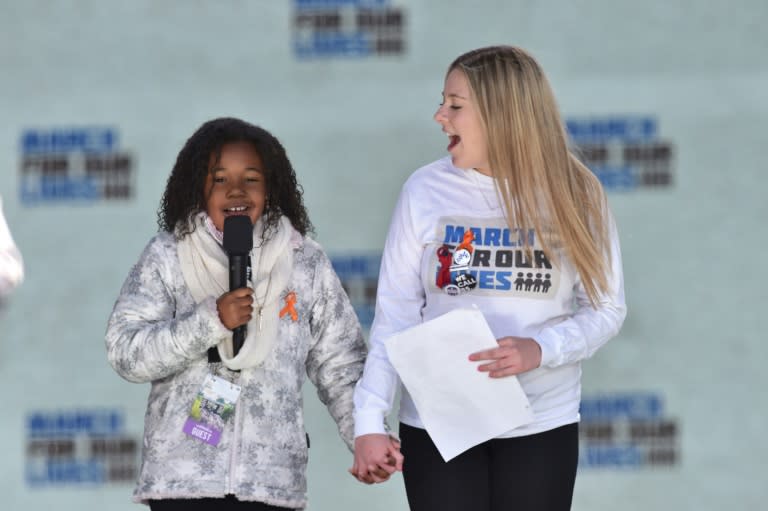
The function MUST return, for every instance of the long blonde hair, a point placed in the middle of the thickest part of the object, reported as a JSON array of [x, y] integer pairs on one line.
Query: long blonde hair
[[539, 180]]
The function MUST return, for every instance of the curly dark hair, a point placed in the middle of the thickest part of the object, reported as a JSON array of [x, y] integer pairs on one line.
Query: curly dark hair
[[184, 194]]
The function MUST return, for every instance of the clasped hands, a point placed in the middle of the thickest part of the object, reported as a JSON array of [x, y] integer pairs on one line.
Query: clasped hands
[[378, 456]]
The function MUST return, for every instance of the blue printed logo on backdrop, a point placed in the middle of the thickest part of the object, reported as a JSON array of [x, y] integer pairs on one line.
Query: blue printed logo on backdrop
[[359, 275], [627, 430], [625, 153], [73, 165], [347, 28], [79, 447]]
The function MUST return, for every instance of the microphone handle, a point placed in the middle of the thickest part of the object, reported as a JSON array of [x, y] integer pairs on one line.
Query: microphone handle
[[239, 272], [238, 338]]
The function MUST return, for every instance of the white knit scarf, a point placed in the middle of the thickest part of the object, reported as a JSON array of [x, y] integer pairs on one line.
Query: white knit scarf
[[205, 267]]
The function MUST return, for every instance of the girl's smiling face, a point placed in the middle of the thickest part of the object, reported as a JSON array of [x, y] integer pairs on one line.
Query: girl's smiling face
[[460, 120], [236, 184]]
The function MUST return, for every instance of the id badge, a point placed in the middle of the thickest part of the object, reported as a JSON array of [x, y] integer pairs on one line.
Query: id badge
[[213, 406]]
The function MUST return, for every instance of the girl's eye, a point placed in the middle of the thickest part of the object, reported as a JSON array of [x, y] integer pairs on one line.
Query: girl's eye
[[454, 107]]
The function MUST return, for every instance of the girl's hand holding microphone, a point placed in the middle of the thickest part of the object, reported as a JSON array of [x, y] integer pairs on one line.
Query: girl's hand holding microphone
[[235, 307]]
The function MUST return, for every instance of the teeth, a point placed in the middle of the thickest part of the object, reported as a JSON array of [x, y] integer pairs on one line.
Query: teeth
[[237, 209]]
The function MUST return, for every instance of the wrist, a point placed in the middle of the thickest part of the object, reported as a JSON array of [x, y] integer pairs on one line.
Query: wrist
[[369, 422]]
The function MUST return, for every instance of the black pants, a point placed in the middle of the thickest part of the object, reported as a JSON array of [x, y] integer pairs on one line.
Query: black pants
[[223, 504], [531, 473]]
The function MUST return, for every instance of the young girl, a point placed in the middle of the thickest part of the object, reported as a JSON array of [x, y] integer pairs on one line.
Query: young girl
[[511, 222], [225, 430]]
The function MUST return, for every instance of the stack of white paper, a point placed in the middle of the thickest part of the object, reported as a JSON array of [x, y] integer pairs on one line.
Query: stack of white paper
[[459, 405]]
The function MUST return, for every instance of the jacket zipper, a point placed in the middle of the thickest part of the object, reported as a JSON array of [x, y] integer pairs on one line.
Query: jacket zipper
[[234, 446]]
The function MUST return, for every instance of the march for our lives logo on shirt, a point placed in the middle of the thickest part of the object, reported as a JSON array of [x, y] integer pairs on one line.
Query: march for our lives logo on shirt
[[485, 257]]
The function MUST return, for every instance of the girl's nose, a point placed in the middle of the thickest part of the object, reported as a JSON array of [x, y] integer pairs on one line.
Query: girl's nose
[[439, 115], [236, 188]]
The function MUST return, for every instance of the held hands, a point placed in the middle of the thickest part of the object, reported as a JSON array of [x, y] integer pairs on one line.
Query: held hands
[[236, 307], [514, 355], [377, 457]]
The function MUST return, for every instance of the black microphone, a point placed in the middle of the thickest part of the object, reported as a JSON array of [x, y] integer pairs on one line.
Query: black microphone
[[238, 242]]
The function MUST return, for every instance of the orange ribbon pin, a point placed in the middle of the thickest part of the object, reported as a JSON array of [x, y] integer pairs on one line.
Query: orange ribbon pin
[[290, 302], [466, 243]]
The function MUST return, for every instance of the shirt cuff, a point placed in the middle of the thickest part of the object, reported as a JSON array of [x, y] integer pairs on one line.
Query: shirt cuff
[[369, 422], [550, 343]]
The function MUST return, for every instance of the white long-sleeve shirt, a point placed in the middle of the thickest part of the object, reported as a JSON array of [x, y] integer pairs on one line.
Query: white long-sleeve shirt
[[11, 266], [443, 206]]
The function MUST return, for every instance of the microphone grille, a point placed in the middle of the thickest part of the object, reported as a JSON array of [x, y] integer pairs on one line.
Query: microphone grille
[[238, 235]]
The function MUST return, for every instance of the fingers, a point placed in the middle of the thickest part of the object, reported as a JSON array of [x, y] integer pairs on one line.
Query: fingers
[[514, 355], [357, 470], [372, 475], [496, 368], [501, 373], [511, 363], [242, 292], [505, 360], [363, 479], [396, 456], [242, 299], [358, 474], [235, 307], [385, 469], [506, 346], [375, 474], [376, 458], [497, 355], [378, 474], [498, 352], [491, 354]]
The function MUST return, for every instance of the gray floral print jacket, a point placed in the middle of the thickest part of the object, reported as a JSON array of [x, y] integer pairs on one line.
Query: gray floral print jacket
[[158, 334]]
